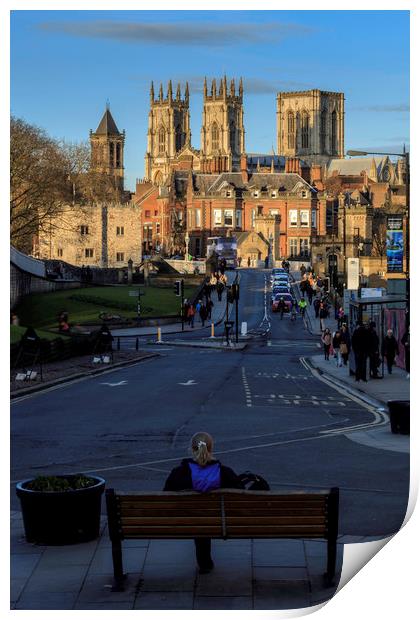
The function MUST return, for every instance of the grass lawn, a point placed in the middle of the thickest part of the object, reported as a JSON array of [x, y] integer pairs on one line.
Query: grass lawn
[[85, 304], [17, 331]]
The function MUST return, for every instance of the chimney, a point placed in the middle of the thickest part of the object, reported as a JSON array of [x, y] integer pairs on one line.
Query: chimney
[[244, 168]]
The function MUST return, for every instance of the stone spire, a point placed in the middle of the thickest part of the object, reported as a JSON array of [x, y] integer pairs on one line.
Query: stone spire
[[221, 88], [161, 93], [232, 88], [170, 90], [178, 92], [213, 88], [152, 93], [241, 88], [205, 87], [224, 86], [187, 92]]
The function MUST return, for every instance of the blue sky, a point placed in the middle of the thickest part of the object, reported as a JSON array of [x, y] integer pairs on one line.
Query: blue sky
[[66, 64]]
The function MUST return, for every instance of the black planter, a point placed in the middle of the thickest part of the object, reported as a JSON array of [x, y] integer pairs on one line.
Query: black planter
[[399, 416], [61, 518]]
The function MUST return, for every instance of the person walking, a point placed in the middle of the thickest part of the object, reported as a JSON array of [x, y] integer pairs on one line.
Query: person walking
[[302, 306], [345, 344], [219, 289], [340, 317], [359, 342], [202, 473], [336, 341], [373, 350], [323, 314], [317, 303], [293, 310], [203, 314], [282, 307], [390, 349], [209, 308], [310, 293], [326, 339], [191, 315]]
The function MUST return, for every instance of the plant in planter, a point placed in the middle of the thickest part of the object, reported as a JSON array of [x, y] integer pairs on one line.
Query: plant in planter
[[61, 510]]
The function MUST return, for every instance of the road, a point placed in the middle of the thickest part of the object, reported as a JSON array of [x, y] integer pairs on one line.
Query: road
[[264, 406]]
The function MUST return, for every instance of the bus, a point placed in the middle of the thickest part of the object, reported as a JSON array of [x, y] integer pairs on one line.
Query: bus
[[224, 247]]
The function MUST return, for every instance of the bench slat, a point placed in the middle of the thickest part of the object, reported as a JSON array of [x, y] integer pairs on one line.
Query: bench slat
[[216, 520], [245, 504], [233, 512], [240, 531]]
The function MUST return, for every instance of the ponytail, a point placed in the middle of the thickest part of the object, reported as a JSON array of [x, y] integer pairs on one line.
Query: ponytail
[[201, 448]]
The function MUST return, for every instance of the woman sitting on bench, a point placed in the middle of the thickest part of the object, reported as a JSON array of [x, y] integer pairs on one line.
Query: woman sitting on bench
[[202, 473]]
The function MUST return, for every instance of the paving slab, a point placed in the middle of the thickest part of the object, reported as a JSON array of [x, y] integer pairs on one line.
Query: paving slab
[[56, 579], [24, 564], [47, 600], [174, 577], [278, 553], [97, 588], [273, 594], [133, 560], [101, 606], [231, 580], [223, 602], [164, 600]]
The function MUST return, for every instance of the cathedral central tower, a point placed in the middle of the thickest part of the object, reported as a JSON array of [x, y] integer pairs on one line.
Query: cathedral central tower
[[222, 131]]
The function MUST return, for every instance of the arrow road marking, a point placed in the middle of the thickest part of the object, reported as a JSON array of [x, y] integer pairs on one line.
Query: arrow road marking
[[115, 384], [189, 382]]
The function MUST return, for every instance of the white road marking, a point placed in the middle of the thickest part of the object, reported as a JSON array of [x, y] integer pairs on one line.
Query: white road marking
[[189, 382], [248, 396], [115, 384]]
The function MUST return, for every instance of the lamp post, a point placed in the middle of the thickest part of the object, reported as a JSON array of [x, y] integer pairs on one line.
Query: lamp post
[[406, 157]]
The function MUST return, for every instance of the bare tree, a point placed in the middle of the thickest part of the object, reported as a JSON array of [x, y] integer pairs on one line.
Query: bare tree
[[379, 228]]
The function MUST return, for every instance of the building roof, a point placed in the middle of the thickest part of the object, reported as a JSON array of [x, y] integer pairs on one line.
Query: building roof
[[107, 125], [355, 166]]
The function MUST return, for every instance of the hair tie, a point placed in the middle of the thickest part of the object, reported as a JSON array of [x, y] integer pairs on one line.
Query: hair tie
[[201, 443]]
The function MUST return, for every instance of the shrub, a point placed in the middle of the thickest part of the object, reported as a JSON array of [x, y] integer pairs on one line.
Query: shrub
[[55, 484]]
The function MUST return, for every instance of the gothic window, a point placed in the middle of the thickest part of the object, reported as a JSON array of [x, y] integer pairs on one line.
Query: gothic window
[[162, 140], [290, 130], [111, 153], [333, 146], [232, 136], [305, 130], [118, 158], [323, 131], [214, 137], [158, 178], [178, 138]]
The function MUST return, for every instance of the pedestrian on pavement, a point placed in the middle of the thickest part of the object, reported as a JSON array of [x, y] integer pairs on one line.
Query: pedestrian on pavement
[[344, 344], [317, 303], [203, 314], [302, 270], [239, 261], [373, 352], [323, 314], [185, 308], [405, 341], [340, 317], [191, 315], [209, 309], [219, 289], [282, 307], [310, 293], [336, 341], [293, 310], [326, 339], [390, 349], [202, 473], [360, 345], [302, 306]]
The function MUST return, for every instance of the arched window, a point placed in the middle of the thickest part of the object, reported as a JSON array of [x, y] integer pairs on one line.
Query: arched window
[[333, 146], [118, 157], [232, 134], [291, 130], [158, 178], [305, 130], [111, 153], [323, 131], [162, 140], [178, 138], [214, 137]]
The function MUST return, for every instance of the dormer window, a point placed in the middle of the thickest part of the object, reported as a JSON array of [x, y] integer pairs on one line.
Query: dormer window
[[228, 194], [304, 193], [255, 194], [273, 194]]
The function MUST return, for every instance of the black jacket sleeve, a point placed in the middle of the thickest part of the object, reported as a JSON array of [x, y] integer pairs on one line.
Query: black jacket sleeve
[[228, 478], [179, 479]]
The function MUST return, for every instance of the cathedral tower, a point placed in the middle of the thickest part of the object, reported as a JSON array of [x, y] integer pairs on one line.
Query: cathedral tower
[[310, 125], [168, 131], [107, 148], [222, 131]]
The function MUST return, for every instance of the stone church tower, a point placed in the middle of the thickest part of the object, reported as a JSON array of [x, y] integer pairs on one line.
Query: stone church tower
[[310, 125], [222, 131], [168, 131], [107, 149]]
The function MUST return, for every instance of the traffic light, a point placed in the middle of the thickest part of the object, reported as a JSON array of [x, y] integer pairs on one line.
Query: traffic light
[[177, 288], [235, 291]]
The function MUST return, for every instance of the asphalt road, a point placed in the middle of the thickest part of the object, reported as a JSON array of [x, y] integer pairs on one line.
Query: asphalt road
[[265, 408]]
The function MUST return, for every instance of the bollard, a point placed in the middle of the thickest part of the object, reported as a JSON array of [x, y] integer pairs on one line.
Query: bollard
[[137, 343], [159, 335], [118, 344], [212, 331]]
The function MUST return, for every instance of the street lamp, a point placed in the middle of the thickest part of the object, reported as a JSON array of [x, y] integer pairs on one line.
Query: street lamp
[[406, 157]]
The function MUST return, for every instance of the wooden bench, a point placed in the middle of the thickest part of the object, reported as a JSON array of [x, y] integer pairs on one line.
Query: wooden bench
[[225, 513]]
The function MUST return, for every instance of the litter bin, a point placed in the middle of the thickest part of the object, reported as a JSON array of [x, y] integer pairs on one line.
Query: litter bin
[[399, 416]]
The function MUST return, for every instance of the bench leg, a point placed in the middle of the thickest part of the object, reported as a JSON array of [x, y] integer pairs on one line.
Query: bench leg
[[118, 566], [329, 580]]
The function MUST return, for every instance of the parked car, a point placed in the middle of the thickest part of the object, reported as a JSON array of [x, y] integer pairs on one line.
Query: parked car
[[287, 299], [280, 290]]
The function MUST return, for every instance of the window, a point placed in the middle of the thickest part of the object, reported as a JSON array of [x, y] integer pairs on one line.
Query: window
[[290, 130], [198, 218], [255, 193], [305, 130], [147, 214], [120, 257], [232, 133], [238, 220], [293, 247], [273, 211], [333, 145], [111, 153], [273, 194], [118, 159], [228, 217], [189, 218], [214, 137], [178, 138], [120, 231], [84, 230], [158, 229], [162, 140], [228, 194], [217, 217], [323, 131], [60, 252], [293, 217], [197, 246], [304, 219], [260, 209], [304, 193], [313, 218], [88, 253], [304, 247], [252, 218], [156, 213]]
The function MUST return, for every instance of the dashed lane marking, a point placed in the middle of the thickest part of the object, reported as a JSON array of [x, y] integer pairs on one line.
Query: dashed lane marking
[[248, 396]]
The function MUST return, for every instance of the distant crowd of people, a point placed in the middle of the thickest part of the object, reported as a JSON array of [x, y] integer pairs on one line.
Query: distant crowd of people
[[216, 283]]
